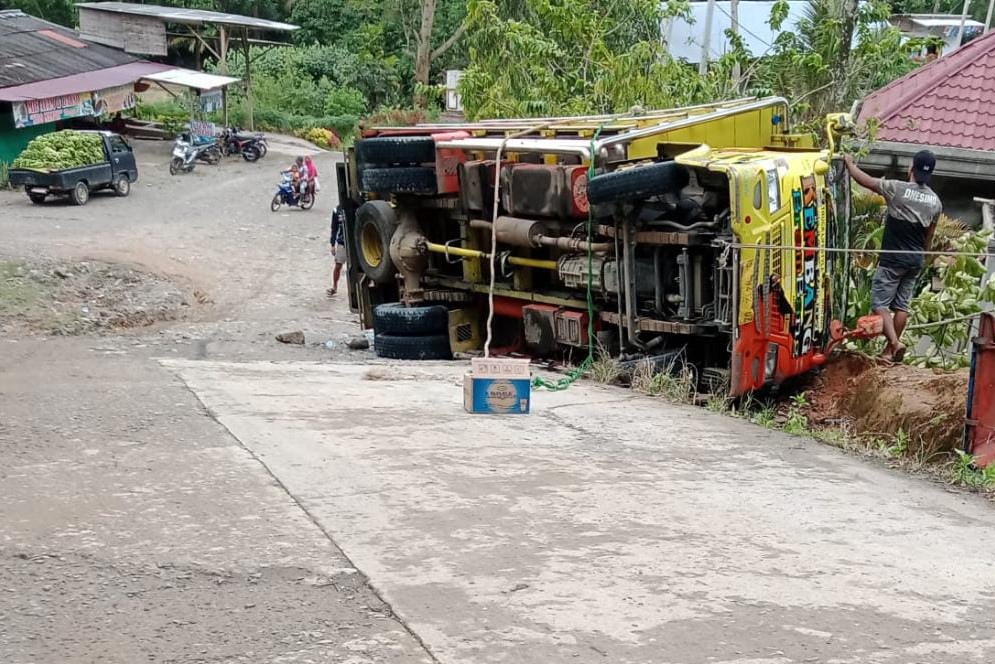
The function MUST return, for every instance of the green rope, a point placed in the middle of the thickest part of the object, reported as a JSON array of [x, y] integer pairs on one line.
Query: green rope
[[577, 372]]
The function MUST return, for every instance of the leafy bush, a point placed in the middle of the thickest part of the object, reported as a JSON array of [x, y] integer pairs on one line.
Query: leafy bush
[[171, 115], [61, 150], [4, 174], [323, 138], [344, 101]]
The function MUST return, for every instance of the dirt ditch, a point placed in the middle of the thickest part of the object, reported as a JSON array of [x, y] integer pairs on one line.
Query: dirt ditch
[[83, 297], [878, 400]]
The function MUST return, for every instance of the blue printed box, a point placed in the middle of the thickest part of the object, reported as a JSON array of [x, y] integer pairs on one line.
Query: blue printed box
[[496, 395]]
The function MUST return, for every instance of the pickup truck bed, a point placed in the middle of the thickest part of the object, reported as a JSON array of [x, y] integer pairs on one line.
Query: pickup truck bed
[[117, 174]]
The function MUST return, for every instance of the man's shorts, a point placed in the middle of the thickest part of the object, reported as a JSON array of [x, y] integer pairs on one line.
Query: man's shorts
[[339, 252], [893, 288]]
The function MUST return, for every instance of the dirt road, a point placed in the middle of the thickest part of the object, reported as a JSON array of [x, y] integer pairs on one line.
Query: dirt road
[[192, 491]]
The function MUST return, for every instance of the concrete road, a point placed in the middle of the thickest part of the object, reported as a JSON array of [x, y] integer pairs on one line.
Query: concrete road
[[608, 527]]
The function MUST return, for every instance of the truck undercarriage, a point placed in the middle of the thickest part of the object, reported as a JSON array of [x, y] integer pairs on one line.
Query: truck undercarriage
[[690, 233]]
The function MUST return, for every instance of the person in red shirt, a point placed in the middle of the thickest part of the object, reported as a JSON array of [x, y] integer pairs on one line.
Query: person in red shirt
[[312, 174]]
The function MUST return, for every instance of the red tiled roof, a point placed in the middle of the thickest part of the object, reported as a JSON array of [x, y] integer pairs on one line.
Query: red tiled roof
[[947, 103]]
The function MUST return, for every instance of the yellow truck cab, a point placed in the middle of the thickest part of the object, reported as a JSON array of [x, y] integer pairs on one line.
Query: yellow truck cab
[[694, 235]]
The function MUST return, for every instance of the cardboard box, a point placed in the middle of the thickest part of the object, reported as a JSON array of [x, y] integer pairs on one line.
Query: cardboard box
[[497, 395], [500, 367]]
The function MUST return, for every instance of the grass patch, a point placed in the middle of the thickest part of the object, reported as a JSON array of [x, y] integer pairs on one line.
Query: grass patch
[[675, 383]]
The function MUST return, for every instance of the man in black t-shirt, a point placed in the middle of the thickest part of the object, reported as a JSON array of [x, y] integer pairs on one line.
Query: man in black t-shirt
[[913, 209]]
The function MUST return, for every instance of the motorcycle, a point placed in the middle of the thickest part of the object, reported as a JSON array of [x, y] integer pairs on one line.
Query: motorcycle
[[187, 152], [286, 194], [252, 148]]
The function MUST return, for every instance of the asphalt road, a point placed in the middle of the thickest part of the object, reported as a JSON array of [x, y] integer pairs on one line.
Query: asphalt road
[[195, 492]]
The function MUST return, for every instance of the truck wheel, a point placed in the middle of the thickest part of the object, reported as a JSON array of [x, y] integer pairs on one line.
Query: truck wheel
[[434, 347], [80, 194], [175, 165], [637, 182], [403, 180], [395, 151], [37, 199], [122, 186], [396, 319], [376, 222]]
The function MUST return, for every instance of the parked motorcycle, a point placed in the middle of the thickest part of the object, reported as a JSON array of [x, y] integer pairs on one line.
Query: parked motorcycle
[[252, 148], [286, 194], [187, 152]]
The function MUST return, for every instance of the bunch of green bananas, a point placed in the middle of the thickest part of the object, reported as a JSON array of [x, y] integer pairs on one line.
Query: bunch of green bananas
[[61, 150]]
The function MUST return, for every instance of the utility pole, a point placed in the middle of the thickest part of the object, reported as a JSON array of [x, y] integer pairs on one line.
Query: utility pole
[[734, 17], [988, 18], [963, 19], [706, 41]]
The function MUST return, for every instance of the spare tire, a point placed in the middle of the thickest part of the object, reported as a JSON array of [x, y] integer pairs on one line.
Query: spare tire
[[376, 222], [399, 180], [644, 181], [395, 318], [395, 150], [434, 347]]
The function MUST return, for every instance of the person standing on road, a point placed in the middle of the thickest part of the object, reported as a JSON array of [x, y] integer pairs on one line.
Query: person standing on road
[[913, 210], [338, 247]]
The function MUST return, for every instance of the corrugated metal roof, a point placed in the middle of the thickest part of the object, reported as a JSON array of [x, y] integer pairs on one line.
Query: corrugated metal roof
[[34, 50], [192, 79], [86, 82], [947, 103], [187, 16]]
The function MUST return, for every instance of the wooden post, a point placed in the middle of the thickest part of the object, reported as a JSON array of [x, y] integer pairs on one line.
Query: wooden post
[[248, 80], [706, 41], [223, 66]]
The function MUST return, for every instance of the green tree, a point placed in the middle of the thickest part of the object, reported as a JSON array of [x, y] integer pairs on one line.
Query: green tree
[[540, 57]]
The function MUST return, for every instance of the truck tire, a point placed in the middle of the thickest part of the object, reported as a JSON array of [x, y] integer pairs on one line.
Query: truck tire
[[122, 186], [80, 193], [395, 151], [638, 182], [396, 319], [401, 180], [376, 222], [37, 199], [434, 347]]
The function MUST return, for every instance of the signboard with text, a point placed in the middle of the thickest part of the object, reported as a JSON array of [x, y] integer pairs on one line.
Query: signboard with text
[[52, 109]]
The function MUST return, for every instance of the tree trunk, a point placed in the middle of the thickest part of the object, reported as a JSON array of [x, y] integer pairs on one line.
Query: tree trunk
[[423, 56], [841, 67]]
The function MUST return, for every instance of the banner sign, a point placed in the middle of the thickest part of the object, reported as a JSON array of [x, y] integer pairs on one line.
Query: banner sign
[[210, 101], [203, 129], [52, 109], [110, 101]]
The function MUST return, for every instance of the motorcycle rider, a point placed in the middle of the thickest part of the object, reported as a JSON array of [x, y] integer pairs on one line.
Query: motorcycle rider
[[303, 175]]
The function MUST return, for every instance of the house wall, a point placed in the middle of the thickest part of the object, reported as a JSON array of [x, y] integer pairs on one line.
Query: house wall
[[956, 194], [12, 140]]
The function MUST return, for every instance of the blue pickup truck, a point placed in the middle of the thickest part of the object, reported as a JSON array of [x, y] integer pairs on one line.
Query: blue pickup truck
[[116, 173]]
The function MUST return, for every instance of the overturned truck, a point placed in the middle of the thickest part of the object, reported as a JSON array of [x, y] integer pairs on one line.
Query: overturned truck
[[698, 233]]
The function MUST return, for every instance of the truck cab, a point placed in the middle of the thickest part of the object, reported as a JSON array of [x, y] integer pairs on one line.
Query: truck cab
[[695, 235]]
